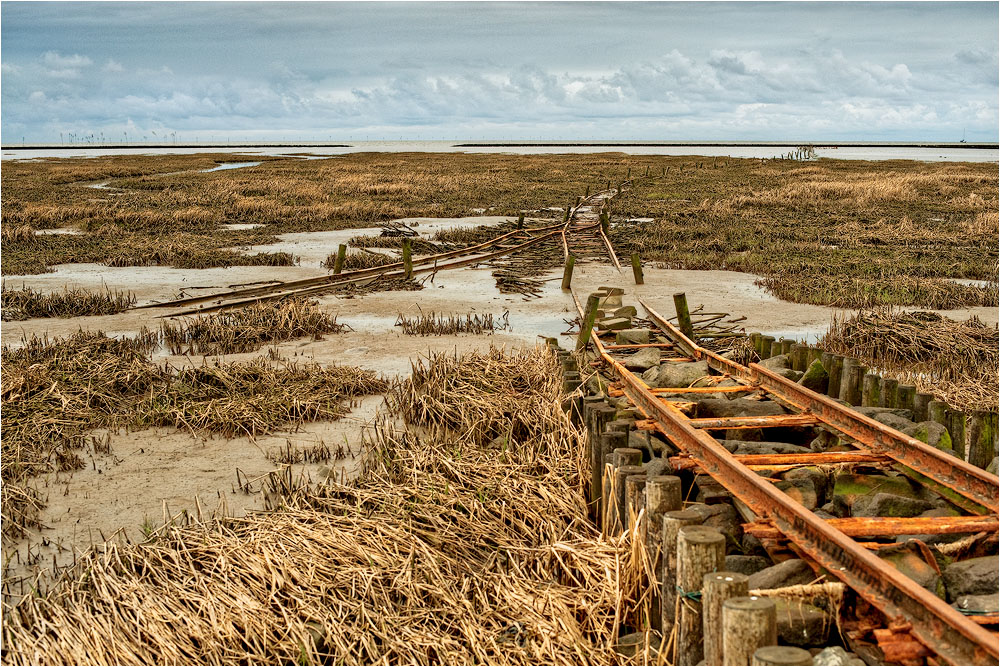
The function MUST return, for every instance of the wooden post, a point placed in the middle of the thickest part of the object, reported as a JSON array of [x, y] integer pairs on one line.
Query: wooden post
[[605, 222], [637, 269], [887, 392], [568, 272], [765, 346], [850, 387], [520, 222], [920, 403], [338, 263], [700, 550], [635, 498], [672, 524], [587, 193], [407, 259], [781, 655], [799, 357], [587, 326], [755, 341], [748, 623], [956, 428], [814, 354], [622, 473], [905, 394], [571, 381], [663, 494], [775, 348], [871, 390], [610, 441], [981, 435], [602, 414], [786, 347], [621, 458], [937, 411], [717, 587], [683, 315], [836, 373]]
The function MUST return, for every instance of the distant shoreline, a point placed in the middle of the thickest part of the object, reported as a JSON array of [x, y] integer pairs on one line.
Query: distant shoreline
[[522, 144]]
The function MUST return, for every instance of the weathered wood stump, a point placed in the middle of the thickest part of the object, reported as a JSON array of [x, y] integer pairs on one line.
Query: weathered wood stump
[[748, 623], [716, 588], [672, 523], [781, 655], [700, 550]]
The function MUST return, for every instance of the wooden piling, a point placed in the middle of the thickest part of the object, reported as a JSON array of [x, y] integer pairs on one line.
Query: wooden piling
[[981, 437], [748, 623], [836, 373], [338, 263], [601, 413], [887, 392], [610, 441], [814, 354], [766, 343], [799, 357], [605, 222], [871, 395], [571, 381], [716, 588], [937, 411], [850, 387], [635, 498], [637, 269], [905, 395], [683, 315], [671, 525], [700, 550], [786, 346], [956, 429], [755, 341], [520, 222], [781, 655], [407, 259], [920, 403], [588, 321], [622, 473], [568, 271], [663, 494]]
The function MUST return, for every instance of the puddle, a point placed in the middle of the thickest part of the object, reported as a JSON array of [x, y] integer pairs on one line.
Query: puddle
[[60, 231], [230, 165], [969, 282], [236, 226]]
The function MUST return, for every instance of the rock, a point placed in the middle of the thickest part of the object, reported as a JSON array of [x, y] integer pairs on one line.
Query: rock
[[932, 433], [823, 514], [657, 466], [725, 520], [676, 375], [851, 486], [614, 323], [816, 475], [824, 442], [836, 656], [633, 644], [710, 492], [737, 407], [765, 447], [645, 358], [611, 291], [631, 336], [893, 421], [815, 377], [837, 507], [626, 311], [753, 546], [909, 559], [610, 302], [746, 564], [791, 572], [776, 363], [982, 604], [975, 576], [801, 624], [802, 491], [889, 504], [873, 412], [993, 466], [640, 440]]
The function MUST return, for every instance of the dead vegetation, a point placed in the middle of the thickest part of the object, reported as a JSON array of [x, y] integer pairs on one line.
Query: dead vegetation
[[249, 328], [467, 543], [356, 261], [956, 361], [27, 303], [439, 325]]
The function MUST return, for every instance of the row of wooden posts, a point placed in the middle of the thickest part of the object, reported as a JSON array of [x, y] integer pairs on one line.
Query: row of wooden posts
[[701, 611], [853, 382]]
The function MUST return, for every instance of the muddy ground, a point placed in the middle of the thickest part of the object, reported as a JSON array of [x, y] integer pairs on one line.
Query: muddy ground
[[154, 474]]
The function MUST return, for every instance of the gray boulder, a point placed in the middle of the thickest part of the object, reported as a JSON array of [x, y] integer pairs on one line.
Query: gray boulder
[[835, 656], [873, 412], [763, 447], [676, 375], [737, 407], [803, 491], [893, 421], [815, 378], [631, 336], [793, 572], [889, 504], [974, 604], [975, 576], [746, 564], [932, 433], [645, 358], [801, 624]]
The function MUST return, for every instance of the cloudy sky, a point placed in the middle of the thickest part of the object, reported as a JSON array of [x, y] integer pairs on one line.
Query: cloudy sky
[[553, 70]]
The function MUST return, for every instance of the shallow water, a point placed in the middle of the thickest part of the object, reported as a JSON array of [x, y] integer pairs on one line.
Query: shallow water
[[230, 165], [876, 152]]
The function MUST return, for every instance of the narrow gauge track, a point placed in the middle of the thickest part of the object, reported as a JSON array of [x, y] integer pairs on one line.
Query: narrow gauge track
[[581, 234], [942, 630]]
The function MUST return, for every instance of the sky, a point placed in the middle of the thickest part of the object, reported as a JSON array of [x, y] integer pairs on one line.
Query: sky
[[344, 71]]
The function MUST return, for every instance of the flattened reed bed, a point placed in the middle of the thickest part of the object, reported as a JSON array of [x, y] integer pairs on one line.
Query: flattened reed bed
[[872, 292], [958, 362], [355, 261], [455, 546], [55, 392], [249, 328], [440, 325], [27, 303]]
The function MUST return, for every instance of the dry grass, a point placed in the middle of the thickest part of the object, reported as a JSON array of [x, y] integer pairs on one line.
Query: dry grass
[[956, 361], [842, 291], [439, 325], [27, 303], [355, 261], [467, 544], [249, 328]]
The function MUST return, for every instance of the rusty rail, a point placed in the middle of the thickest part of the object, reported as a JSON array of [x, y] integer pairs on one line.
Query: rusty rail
[[941, 628]]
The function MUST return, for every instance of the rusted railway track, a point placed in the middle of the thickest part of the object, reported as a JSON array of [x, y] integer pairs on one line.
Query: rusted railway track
[[909, 608]]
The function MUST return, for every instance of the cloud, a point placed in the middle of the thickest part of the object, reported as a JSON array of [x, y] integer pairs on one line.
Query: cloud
[[54, 59]]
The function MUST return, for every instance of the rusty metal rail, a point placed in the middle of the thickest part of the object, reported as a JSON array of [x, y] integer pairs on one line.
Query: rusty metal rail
[[943, 630]]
